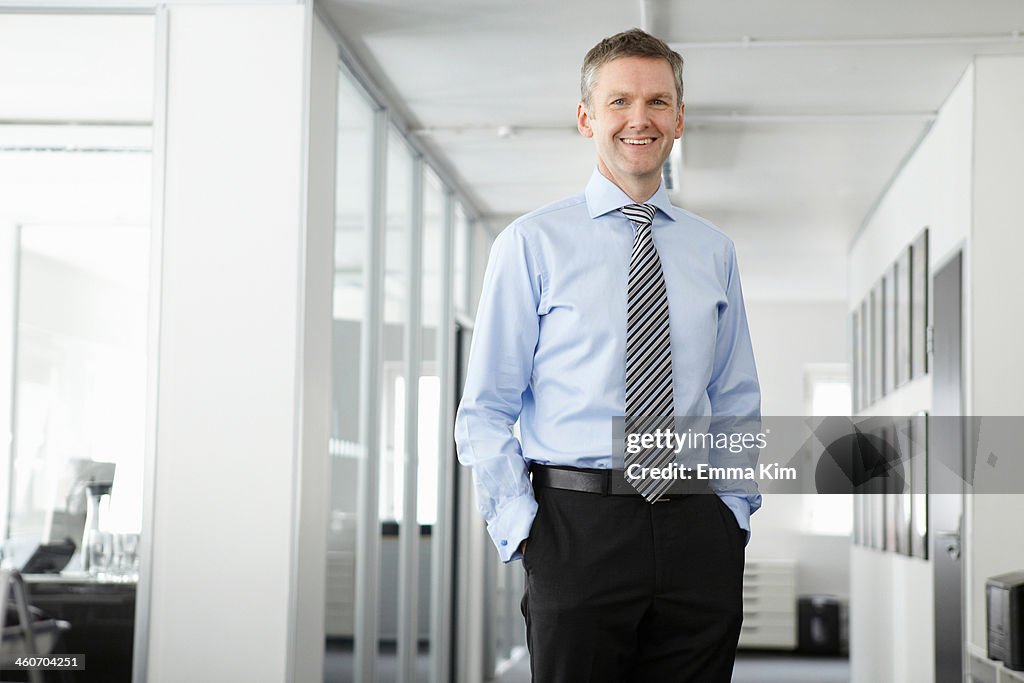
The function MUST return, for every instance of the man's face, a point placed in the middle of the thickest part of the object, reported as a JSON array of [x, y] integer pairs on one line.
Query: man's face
[[634, 118]]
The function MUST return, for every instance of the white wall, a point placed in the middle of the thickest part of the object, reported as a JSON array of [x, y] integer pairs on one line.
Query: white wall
[[998, 311], [895, 643], [963, 183], [933, 190], [786, 338], [891, 614], [239, 479]]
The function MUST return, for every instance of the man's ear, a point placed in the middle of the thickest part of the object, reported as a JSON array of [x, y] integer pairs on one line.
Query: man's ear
[[583, 121], [679, 122]]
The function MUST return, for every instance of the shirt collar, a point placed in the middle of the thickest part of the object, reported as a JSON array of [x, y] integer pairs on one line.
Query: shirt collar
[[603, 196]]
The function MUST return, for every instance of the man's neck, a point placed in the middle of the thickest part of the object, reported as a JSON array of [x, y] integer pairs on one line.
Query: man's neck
[[640, 190], [640, 195]]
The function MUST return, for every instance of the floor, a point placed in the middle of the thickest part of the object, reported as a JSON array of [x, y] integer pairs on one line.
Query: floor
[[338, 664], [750, 668]]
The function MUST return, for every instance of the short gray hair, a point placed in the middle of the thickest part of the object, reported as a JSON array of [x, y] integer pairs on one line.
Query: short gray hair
[[631, 43]]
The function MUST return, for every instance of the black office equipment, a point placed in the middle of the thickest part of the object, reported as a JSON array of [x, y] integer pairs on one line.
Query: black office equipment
[[818, 625], [1004, 607], [50, 558]]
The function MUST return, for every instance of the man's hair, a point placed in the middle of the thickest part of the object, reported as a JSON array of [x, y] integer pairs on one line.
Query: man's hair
[[631, 43]]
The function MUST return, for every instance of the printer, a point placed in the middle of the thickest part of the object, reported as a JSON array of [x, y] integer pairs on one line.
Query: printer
[[1004, 608]]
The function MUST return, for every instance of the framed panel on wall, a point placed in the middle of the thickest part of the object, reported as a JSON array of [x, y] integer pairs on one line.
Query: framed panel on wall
[[889, 331], [865, 518], [878, 341], [864, 346], [877, 500], [890, 483], [855, 359], [868, 499], [872, 349], [919, 305], [919, 477], [903, 496], [878, 513], [856, 519], [901, 275], [864, 496]]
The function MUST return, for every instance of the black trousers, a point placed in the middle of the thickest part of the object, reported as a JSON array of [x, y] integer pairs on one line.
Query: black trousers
[[620, 590]]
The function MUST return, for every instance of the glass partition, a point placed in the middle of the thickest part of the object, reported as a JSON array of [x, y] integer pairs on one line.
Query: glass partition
[[80, 381], [389, 198], [76, 235], [460, 261], [480, 250], [429, 418], [395, 300], [431, 295], [352, 225]]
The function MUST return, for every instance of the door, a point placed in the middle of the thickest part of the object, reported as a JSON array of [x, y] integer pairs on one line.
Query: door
[[465, 642], [946, 470]]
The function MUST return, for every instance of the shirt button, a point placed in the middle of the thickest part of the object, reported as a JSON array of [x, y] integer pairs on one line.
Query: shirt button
[[504, 541]]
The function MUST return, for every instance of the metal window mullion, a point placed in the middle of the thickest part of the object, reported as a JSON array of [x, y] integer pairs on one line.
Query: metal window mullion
[[368, 536], [409, 530], [509, 620], [144, 590], [440, 586], [489, 661], [375, 93], [467, 282]]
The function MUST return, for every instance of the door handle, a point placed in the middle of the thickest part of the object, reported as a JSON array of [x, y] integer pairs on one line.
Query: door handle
[[950, 541]]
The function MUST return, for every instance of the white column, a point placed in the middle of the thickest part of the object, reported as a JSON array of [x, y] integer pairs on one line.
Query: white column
[[312, 485], [8, 339], [233, 589]]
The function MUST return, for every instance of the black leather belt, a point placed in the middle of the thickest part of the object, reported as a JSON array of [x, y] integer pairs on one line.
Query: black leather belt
[[603, 482]]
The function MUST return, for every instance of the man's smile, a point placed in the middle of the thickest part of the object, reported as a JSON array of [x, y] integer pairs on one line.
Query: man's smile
[[637, 141]]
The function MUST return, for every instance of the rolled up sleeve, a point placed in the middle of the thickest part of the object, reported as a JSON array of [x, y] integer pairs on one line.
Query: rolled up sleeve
[[735, 396], [500, 366]]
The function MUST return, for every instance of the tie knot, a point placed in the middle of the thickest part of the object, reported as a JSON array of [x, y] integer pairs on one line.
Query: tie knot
[[641, 214]]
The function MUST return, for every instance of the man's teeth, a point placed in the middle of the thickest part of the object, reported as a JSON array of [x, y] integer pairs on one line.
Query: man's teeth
[[642, 141]]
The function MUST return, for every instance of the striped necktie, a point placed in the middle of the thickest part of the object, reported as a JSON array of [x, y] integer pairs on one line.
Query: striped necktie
[[649, 403]]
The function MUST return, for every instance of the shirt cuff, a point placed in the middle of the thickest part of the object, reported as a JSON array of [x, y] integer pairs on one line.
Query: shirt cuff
[[511, 525], [741, 509]]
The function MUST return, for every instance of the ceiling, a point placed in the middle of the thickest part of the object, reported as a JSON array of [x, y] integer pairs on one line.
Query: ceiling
[[798, 112]]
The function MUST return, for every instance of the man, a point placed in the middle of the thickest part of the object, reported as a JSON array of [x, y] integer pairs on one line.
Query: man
[[612, 302]]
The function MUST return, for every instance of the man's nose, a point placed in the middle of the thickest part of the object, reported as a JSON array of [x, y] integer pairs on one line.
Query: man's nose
[[639, 116]]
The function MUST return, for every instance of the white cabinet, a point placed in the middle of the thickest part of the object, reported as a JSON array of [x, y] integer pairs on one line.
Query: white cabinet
[[769, 605], [981, 669], [341, 576]]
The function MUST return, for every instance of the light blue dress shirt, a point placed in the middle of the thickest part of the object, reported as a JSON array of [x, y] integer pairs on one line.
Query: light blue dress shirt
[[549, 346]]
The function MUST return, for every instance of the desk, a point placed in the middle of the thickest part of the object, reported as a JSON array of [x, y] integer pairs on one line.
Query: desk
[[102, 618]]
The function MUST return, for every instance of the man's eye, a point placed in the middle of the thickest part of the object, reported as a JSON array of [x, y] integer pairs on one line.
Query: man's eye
[[619, 101], [659, 102]]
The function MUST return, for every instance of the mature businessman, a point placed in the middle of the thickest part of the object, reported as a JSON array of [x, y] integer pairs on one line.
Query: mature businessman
[[613, 302]]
